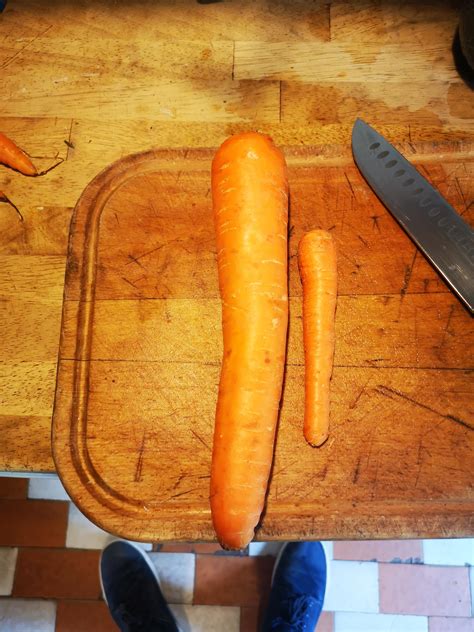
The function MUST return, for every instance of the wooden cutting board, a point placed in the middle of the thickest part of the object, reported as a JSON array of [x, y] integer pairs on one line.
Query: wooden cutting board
[[141, 347]]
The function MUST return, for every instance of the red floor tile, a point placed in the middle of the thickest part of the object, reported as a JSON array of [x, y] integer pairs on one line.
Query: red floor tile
[[33, 522], [250, 619], [84, 616], [326, 622], [13, 487], [57, 574], [232, 581], [424, 590], [450, 624], [379, 550]]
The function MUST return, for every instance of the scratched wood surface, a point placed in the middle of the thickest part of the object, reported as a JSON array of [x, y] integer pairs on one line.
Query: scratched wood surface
[[141, 348], [96, 80]]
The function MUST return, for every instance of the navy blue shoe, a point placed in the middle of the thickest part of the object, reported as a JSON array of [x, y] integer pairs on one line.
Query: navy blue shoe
[[132, 591], [298, 588]]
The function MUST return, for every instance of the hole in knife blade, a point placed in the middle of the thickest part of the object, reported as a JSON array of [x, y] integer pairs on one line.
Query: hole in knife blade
[[382, 154], [374, 146], [433, 211], [399, 173], [418, 191], [390, 164], [408, 182], [425, 202]]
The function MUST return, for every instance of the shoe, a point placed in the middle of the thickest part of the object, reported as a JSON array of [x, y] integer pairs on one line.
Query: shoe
[[132, 591], [298, 588]]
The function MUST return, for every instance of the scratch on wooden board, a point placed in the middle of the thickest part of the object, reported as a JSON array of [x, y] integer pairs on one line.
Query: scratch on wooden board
[[351, 260], [446, 331], [410, 143], [69, 143], [135, 260], [180, 478], [386, 391], [201, 440], [461, 193], [353, 404], [355, 476], [467, 208], [350, 184], [129, 282], [187, 491], [408, 273], [375, 221], [139, 468], [420, 466], [11, 59]]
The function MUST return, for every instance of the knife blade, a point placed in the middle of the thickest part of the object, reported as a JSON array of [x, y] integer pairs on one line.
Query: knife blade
[[435, 227]]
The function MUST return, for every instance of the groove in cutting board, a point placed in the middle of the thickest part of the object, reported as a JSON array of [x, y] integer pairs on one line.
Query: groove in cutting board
[[140, 356]]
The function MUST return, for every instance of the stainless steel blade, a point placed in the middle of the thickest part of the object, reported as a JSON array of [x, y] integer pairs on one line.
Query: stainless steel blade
[[440, 233]]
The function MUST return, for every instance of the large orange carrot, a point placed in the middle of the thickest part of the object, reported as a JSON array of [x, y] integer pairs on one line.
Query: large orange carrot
[[250, 200], [318, 270], [14, 157]]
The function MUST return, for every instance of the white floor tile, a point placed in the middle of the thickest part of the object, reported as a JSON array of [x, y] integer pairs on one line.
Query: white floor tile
[[207, 618], [27, 615], [471, 570], [48, 488], [7, 569], [176, 573], [328, 549], [352, 587], [265, 548], [84, 534], [450, 552], [356, 622]]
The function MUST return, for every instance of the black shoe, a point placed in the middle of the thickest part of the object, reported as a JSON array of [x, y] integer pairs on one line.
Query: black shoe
[[131, 589], [298, 588]]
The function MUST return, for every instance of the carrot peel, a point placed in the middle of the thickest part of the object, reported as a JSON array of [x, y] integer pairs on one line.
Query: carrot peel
[[250, 202], [318, 270], [13, 156]]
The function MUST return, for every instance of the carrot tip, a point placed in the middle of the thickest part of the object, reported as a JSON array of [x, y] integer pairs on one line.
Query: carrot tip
[[317, 442]]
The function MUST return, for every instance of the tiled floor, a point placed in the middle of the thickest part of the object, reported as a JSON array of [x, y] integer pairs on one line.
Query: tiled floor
[[49, 582]]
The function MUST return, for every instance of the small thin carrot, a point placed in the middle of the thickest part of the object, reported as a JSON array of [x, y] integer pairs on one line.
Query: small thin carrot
[[250, 201], [318, 270], [14, 157], [4, 198]]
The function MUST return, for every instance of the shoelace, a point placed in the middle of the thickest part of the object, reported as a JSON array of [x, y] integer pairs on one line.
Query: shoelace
[[294, 614]]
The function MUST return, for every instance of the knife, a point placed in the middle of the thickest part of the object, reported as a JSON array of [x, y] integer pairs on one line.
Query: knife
[[435, 227]]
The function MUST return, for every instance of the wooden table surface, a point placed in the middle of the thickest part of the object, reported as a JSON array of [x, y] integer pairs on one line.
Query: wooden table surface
[[93, 81]]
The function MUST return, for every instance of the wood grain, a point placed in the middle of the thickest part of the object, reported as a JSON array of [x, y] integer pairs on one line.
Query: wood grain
[[342, 63], [94, 81], [141, 348]]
